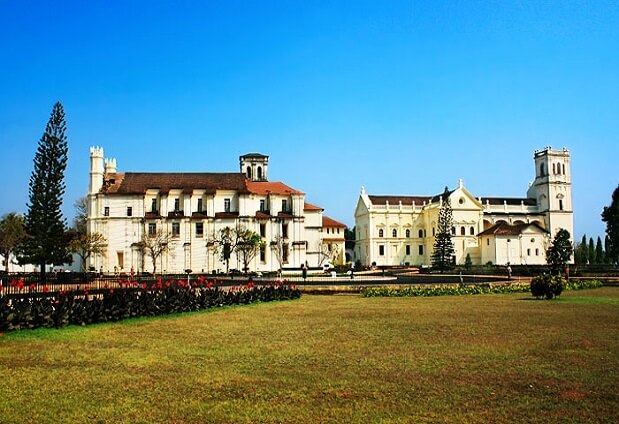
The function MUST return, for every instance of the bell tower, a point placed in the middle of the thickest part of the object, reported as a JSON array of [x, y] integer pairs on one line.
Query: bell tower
[[552, 189], [255, 166]]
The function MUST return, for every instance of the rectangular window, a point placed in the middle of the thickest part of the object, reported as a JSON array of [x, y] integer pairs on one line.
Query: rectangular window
[[262, 205], [153, 205], [560, 204], [176, 229], [421, 249], [284, 205], [285, 230], [152, 229], [177, 205], [226, 205], [129, 211], [408, 250], [381, 250], [536, 252], [199, 229], [488, 242], [528, 252], [263, 254], [263, 230], [200, 205], [285, 253], [106, 211]]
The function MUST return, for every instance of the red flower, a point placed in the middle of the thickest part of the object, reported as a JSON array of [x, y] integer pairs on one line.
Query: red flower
[[195, 284], [13, 282], [209, 284], [45, 289], [105, 286], [167, 284], [20, 284], [201, 278]]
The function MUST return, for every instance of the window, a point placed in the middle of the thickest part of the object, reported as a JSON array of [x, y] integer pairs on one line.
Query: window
[[152, 229], [453, 231], [542, 172], [462, 231], [560, 204], [472, 231], [408, 250], [285, 230], [420, 233], [226, 205], [263, 254], [200, 205], [249, 172], [536, 252], [563, 169], [260, 173], [394, 233], [487, 242], [199, 229], [381, 233], [528, 252], [408, 233], [106, 211], [554, 169], [153, 205], [285, 253], [177, 205], [433, 231], [176, 229], [421, 249], [284, 205], [262, 205], [129, 211], [381, 250], [263, 230]]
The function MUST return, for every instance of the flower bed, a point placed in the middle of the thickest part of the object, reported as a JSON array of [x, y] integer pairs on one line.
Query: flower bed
[[129, 299]]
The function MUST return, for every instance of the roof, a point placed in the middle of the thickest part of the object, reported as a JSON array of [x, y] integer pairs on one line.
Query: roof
[[406, 200], [310, 207], [513, 201], [139, 182], [504, 229], [330, 222], [254, 155], [270, 187]]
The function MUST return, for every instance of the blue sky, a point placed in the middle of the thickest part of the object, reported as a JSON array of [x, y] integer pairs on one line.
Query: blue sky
[[402, 97]]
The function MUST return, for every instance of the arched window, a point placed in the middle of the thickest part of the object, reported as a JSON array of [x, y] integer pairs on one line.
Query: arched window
[[453, 231], [433, 231], [420, 233], [259, 172], [554, 170], [472, 231], [563, 169], [249, 172], [394, 233], [408, 233], [381, 233], [462, 231]]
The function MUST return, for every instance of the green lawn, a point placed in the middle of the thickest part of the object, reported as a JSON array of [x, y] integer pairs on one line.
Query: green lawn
[[486, 358]]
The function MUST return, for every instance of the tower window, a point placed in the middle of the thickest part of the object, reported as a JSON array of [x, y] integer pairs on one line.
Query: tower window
[[560, 204], [260, 173], [541, 170], [249, 172], [462, 231], [472, 231], [563, 169]]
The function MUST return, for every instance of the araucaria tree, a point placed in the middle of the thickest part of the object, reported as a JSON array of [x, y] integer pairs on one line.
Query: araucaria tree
[[560, 251], [47, 240], [610, 215], [12, 234], [443, 245]]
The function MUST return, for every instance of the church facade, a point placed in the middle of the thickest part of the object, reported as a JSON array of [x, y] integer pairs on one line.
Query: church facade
[[400, 230], [190, 209]]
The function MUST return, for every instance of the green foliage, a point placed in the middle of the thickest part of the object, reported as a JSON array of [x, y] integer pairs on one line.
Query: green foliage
[[468, 263], [610, 215], [130, 300], [547, 286], [47, 241], [581, 251], [441, 291], [599, 252], [591, 251], [443, 245], [560, 251], [12, 234]]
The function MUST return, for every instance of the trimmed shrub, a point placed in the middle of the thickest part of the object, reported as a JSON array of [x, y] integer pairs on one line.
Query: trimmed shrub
[[547, 285]]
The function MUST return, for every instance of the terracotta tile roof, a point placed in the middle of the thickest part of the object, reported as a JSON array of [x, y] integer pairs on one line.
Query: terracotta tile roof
[[505, 229], [226, 215], [199, 215], [139, 182], [262, 215], [270, 187], [511, 201], [330, 222], [310, 207]]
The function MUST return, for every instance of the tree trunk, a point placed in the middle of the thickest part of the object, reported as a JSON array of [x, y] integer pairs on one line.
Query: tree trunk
[[43, 274]]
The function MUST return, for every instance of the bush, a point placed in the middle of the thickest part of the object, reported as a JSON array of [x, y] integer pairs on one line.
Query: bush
[[441, 291], [547, 286]]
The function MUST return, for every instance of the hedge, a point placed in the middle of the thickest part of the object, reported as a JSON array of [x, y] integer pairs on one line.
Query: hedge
[[80, 307]]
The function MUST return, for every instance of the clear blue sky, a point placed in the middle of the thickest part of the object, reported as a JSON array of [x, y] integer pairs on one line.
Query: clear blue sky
[[402, 97]]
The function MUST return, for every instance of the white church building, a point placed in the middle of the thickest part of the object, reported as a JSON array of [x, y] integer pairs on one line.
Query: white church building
[[400, 230], [193, 207]]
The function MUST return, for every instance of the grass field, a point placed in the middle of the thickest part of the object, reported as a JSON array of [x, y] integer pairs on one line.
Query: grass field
[[487, 358]]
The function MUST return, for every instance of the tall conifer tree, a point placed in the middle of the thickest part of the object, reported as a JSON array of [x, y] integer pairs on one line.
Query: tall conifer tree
[[599, 251], [443, 245], [591, 251], [610, 215], [47, 240]]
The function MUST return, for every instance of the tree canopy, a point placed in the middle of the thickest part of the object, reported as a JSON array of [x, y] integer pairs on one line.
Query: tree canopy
[[12, 234], [560, 251], [610, 215], [443, 245]]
